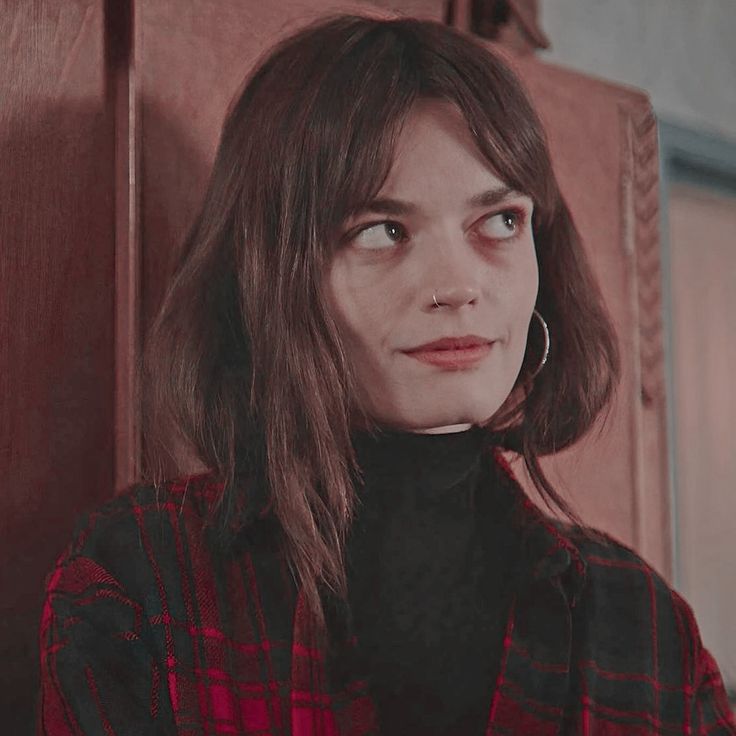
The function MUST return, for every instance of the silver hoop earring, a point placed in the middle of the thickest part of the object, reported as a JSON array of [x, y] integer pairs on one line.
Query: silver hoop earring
[[545, 329]]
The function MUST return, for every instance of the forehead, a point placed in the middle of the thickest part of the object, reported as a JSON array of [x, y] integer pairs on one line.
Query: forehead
[[430, 114], [435, 144]]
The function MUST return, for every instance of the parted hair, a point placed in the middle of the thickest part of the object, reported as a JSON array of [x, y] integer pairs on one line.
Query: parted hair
[[244, 363]]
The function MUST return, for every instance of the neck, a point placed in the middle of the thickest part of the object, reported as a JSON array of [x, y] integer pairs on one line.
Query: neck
[[444, 430], [397, 458]]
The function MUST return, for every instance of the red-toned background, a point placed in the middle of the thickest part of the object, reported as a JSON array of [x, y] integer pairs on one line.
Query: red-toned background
[[110, 118]]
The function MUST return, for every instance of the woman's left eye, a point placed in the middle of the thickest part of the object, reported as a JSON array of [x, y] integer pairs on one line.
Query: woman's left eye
[[503, 225]]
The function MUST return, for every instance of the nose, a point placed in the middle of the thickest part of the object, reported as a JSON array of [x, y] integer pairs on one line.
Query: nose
[[454, 296], [452, 279]]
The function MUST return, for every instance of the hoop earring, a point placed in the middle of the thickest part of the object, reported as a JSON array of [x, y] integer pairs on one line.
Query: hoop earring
[[547, 343]]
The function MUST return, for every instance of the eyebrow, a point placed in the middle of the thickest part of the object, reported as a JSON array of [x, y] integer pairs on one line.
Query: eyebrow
[[388, 206]]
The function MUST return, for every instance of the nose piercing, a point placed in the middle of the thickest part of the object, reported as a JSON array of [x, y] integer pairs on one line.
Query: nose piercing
[[435, 299]]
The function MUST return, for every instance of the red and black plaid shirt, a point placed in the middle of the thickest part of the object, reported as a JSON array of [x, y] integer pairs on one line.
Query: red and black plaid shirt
[[146, 630]]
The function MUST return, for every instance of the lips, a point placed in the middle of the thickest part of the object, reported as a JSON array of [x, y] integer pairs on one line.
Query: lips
[[453, 359], [451, 343]]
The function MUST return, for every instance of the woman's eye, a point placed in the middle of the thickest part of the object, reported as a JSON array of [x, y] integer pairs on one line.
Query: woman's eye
[[503, 225], [380, 235]]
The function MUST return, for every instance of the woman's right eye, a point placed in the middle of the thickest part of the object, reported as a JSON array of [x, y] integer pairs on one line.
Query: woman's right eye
[[380, 235]]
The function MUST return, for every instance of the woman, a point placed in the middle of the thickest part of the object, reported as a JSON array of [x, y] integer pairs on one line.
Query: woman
[[383, 290]]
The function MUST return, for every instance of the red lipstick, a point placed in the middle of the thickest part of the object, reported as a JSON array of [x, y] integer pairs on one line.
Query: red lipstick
[[452, 353]]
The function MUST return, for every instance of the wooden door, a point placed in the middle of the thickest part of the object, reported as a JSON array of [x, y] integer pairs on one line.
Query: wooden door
[[113, 119], [57, 300], [189, 60], [603, 140]]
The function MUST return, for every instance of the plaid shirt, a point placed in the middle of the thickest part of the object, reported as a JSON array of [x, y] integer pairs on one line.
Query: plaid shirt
[[145, 630]]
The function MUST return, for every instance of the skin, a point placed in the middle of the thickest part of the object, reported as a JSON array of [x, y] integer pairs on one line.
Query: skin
[[478, 258]]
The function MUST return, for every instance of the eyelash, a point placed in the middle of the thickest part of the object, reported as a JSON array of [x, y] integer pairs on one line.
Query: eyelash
[[518, 212]]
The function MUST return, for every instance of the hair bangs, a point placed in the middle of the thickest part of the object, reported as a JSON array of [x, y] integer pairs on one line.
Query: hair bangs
[[365, 95]]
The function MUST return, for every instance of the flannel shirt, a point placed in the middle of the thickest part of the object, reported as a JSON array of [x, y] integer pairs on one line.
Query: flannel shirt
[[146, 630]]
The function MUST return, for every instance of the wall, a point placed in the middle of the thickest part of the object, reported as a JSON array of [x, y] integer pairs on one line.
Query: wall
[[681, 52]]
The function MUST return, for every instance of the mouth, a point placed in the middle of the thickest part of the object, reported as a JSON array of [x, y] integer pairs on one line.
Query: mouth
[[452, 358], [452, 343]]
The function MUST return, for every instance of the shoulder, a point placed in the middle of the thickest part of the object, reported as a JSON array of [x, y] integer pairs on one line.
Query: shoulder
[[618, 576], [182, 504], [629, 605], [632, 626], [138, 535]]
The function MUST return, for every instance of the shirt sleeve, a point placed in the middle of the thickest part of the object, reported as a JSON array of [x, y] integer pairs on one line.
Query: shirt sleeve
[[97, 669], [712, 713], [709, 712]]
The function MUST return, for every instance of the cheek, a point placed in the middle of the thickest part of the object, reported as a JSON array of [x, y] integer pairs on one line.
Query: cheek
[[523, 298], [355, 310], [524, 284], [531, 276]]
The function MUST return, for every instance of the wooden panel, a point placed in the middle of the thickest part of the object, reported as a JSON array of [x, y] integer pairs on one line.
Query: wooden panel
[[211, 44], [56, 309], [190, 60], [603, 142], [68, 291], [604, 148]]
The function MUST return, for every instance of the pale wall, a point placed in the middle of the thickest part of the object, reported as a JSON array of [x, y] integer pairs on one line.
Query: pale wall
[[682, 52]]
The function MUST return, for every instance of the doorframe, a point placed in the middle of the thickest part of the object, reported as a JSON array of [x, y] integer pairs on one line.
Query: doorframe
[[707, 160]]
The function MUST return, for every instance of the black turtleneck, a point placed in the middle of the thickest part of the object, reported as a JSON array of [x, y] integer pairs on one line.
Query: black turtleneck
[[430, 557]]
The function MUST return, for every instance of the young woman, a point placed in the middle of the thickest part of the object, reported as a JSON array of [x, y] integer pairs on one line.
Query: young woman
[[383, 290]]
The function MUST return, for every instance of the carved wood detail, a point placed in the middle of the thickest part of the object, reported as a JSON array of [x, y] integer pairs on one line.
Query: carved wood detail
[[641, 174], [640, 210]]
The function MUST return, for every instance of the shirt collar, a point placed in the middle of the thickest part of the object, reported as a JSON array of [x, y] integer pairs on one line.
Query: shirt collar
[[547, 546], [434, 463]]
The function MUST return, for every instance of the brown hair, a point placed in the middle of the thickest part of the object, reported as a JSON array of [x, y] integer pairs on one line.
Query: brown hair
[[244, 356]]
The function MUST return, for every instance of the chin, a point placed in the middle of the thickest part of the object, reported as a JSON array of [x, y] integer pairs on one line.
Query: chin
[[434, 417], [420, 409]]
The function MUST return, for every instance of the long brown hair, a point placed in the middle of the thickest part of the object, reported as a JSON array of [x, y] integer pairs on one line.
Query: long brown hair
[[244, 358]]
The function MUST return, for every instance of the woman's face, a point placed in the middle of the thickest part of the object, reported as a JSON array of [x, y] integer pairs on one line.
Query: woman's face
[[442, 224]]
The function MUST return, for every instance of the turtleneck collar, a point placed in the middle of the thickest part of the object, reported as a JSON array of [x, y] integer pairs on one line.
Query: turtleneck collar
[[434, 463]]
